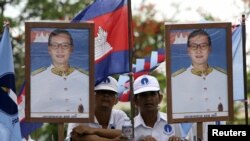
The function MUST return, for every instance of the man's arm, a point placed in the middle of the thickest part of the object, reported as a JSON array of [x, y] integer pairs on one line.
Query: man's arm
[[107, 133], [89, 138], [83, 132]]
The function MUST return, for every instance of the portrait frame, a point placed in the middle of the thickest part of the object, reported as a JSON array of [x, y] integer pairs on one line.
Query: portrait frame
[[81, 64], [178, 62]]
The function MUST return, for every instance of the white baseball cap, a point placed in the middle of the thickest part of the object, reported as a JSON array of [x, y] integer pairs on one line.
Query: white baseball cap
[[108, 83], [146, 83]]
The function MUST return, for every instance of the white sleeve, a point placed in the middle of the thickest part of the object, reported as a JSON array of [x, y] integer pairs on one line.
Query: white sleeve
[[119, 116], [69, 130]]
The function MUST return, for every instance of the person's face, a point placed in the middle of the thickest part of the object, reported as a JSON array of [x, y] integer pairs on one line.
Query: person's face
[[60, 49], [148, 101], [105, 98], [198, 50]]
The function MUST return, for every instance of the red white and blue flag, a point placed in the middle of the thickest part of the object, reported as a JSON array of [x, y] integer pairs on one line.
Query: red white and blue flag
[[141, 67], [111, 36], [9, 122]]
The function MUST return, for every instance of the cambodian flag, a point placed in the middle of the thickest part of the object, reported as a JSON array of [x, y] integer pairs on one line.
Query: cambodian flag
[[9, 122], [111, 36]]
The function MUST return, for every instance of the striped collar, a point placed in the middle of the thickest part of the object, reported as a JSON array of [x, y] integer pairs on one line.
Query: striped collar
[[200, 73], [59, 72]]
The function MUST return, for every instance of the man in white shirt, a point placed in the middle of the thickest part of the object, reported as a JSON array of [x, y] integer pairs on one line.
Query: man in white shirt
[[106, 96], [151, 124]]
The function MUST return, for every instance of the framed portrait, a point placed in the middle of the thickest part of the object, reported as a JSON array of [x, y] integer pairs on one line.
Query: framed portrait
[[199, 72], [59, 70]]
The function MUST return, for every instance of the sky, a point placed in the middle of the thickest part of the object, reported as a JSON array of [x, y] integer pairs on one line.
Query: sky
[[229, 10], [225, 10]]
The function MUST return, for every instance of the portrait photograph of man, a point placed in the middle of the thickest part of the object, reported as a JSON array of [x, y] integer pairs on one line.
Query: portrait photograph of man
[[199, 73], [59, 73]]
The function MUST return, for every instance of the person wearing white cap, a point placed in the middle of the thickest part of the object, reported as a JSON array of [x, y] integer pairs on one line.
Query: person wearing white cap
[[106, 96], [150, 124]]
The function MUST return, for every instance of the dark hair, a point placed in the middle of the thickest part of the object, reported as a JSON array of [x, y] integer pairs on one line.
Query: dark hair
[[199, 32], [60, 31]]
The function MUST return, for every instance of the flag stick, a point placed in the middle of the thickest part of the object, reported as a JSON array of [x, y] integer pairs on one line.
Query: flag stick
[[244, 66], [130, 36], [60, 131], [199, 131]]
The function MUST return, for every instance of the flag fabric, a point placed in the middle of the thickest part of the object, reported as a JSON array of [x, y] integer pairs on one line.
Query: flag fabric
[[139, 66], [238, 76], [123, 88], [149, 63], [161, 55], [185, 128], [21, 103], [26, 127], [111, 36], [142, 66], [9, 122], [153, 59]]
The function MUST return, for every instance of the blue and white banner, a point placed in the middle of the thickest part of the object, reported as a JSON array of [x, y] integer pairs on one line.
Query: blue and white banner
[[238, 77], [9, 122]]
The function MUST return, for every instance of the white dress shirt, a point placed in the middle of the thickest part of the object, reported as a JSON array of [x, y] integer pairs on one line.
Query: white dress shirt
[[55, 96], [161, 130], [194, 95], [115, 122]]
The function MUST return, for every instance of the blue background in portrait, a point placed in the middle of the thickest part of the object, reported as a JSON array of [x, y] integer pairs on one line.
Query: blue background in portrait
[[79, 58], [217, 57]]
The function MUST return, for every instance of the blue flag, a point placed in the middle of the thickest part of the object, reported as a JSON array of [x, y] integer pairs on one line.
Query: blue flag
[[185, 128], [238, 77], [9, 122], [111, 36]]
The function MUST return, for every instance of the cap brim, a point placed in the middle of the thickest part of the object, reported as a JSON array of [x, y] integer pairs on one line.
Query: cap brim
[[105, 88], [141, 90]]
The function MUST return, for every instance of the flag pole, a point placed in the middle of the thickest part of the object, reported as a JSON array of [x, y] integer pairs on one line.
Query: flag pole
[[60, 131], [130, 36], [244, 66]]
